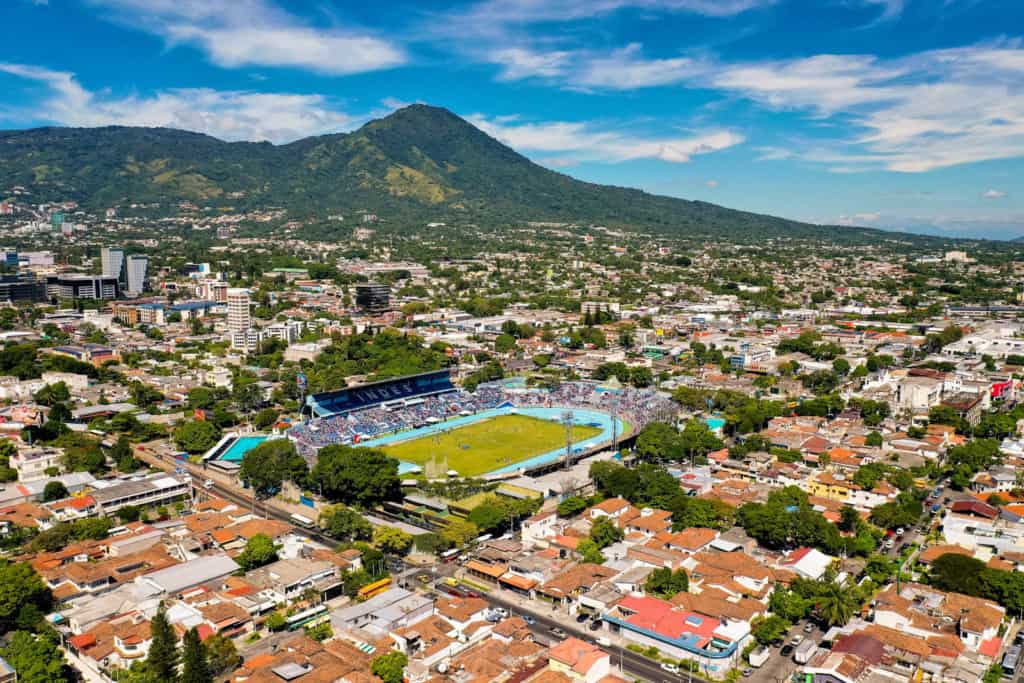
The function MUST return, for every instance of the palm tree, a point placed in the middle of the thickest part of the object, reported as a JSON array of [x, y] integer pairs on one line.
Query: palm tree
[[836, 604]]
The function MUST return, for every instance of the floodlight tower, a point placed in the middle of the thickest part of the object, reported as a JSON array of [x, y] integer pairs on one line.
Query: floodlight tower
[[567, 421]]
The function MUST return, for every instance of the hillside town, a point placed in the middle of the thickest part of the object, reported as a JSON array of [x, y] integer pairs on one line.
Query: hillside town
[[574, 455]]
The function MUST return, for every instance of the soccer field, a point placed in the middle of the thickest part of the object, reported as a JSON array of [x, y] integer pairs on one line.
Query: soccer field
[[489, 444]]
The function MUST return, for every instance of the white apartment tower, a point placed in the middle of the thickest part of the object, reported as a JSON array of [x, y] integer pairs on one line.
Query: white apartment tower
[[112, 262], [137, 268], [239, 317]]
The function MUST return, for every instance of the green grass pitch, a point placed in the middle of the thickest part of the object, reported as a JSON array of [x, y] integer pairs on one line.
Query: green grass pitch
[[490, 444]]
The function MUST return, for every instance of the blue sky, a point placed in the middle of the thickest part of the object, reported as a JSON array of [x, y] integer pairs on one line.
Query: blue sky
[[903, 114]]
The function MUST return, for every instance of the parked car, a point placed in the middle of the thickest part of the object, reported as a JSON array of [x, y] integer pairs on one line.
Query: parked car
[[786, 650], [582, 617], [748, 672], [595, 625], [808, 627], [530, 621], [208, 484], [557, 632], [796, 640], [900, 531]]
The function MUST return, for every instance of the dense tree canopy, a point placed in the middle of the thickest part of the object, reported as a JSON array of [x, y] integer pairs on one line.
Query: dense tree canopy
[[357, 476]]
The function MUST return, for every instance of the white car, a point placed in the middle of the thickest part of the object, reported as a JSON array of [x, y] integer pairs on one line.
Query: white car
[[900, 531], [671, 668], [796, 640], [208, 484], [890, 544]]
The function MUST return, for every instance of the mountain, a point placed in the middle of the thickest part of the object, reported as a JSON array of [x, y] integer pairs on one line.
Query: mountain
[[419, 163]]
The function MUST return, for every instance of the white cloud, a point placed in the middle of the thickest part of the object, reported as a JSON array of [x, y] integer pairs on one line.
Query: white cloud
[[500, 13], [626, 69], [588, 142], [229, 115], [994, 194], [912, 114], [891, 9], [255, 32], [519, 63], [712, 183]]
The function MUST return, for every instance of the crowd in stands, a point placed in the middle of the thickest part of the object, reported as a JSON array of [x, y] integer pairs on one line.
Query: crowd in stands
[[638, 406]]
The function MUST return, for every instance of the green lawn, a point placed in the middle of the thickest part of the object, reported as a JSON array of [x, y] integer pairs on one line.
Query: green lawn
[[489, 444]]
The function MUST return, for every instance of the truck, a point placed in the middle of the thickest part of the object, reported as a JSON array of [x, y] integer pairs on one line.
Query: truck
[[759, 656], [805, 651]]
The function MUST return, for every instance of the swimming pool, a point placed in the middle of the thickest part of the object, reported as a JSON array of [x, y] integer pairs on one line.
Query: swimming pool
[[714, 423], [602, 421], [242, 445]]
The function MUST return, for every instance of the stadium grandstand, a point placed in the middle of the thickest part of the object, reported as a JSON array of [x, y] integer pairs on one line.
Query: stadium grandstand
[[371, 412], [391, 393]]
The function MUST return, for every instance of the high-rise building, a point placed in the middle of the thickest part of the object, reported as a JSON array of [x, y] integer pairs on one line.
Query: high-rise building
[[22, 288], [112, 262], [82, 287], [239, 316], [137, 269], [373, 297]]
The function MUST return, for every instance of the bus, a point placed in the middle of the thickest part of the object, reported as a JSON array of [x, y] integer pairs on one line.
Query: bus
[[450, 555], [301, 520], [372, 589], [309, 617]]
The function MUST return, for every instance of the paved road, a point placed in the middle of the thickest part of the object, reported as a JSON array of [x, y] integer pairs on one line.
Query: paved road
[[631, 662]]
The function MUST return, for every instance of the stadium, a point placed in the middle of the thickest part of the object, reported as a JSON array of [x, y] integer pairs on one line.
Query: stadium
[[431, 426]]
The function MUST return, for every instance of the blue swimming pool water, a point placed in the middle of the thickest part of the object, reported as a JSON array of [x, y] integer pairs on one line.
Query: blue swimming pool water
[[714, 422], [602, 421], [240, 447]]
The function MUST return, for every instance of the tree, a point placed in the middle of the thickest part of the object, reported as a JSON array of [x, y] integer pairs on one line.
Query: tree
[[665, 583], [836, 604], [36, 657], [361, 476], [391, 540], [52, 394], [20, 588], [958, 574], [272, 462], [589, 552], [265, 418], [221, 654], [123, 456], [504, 343], [458, 532], [275, 621], [54, 490], [490, 516], [946, 415], [848, 519], [604, 532], [144, 395], [697, 439], [196, 436], [201, 397], [193, 658], [390, 667], [162, 660], [572, 506], [659, 442], [345, 524], [873, 439], [259, 550], [770, 629]]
